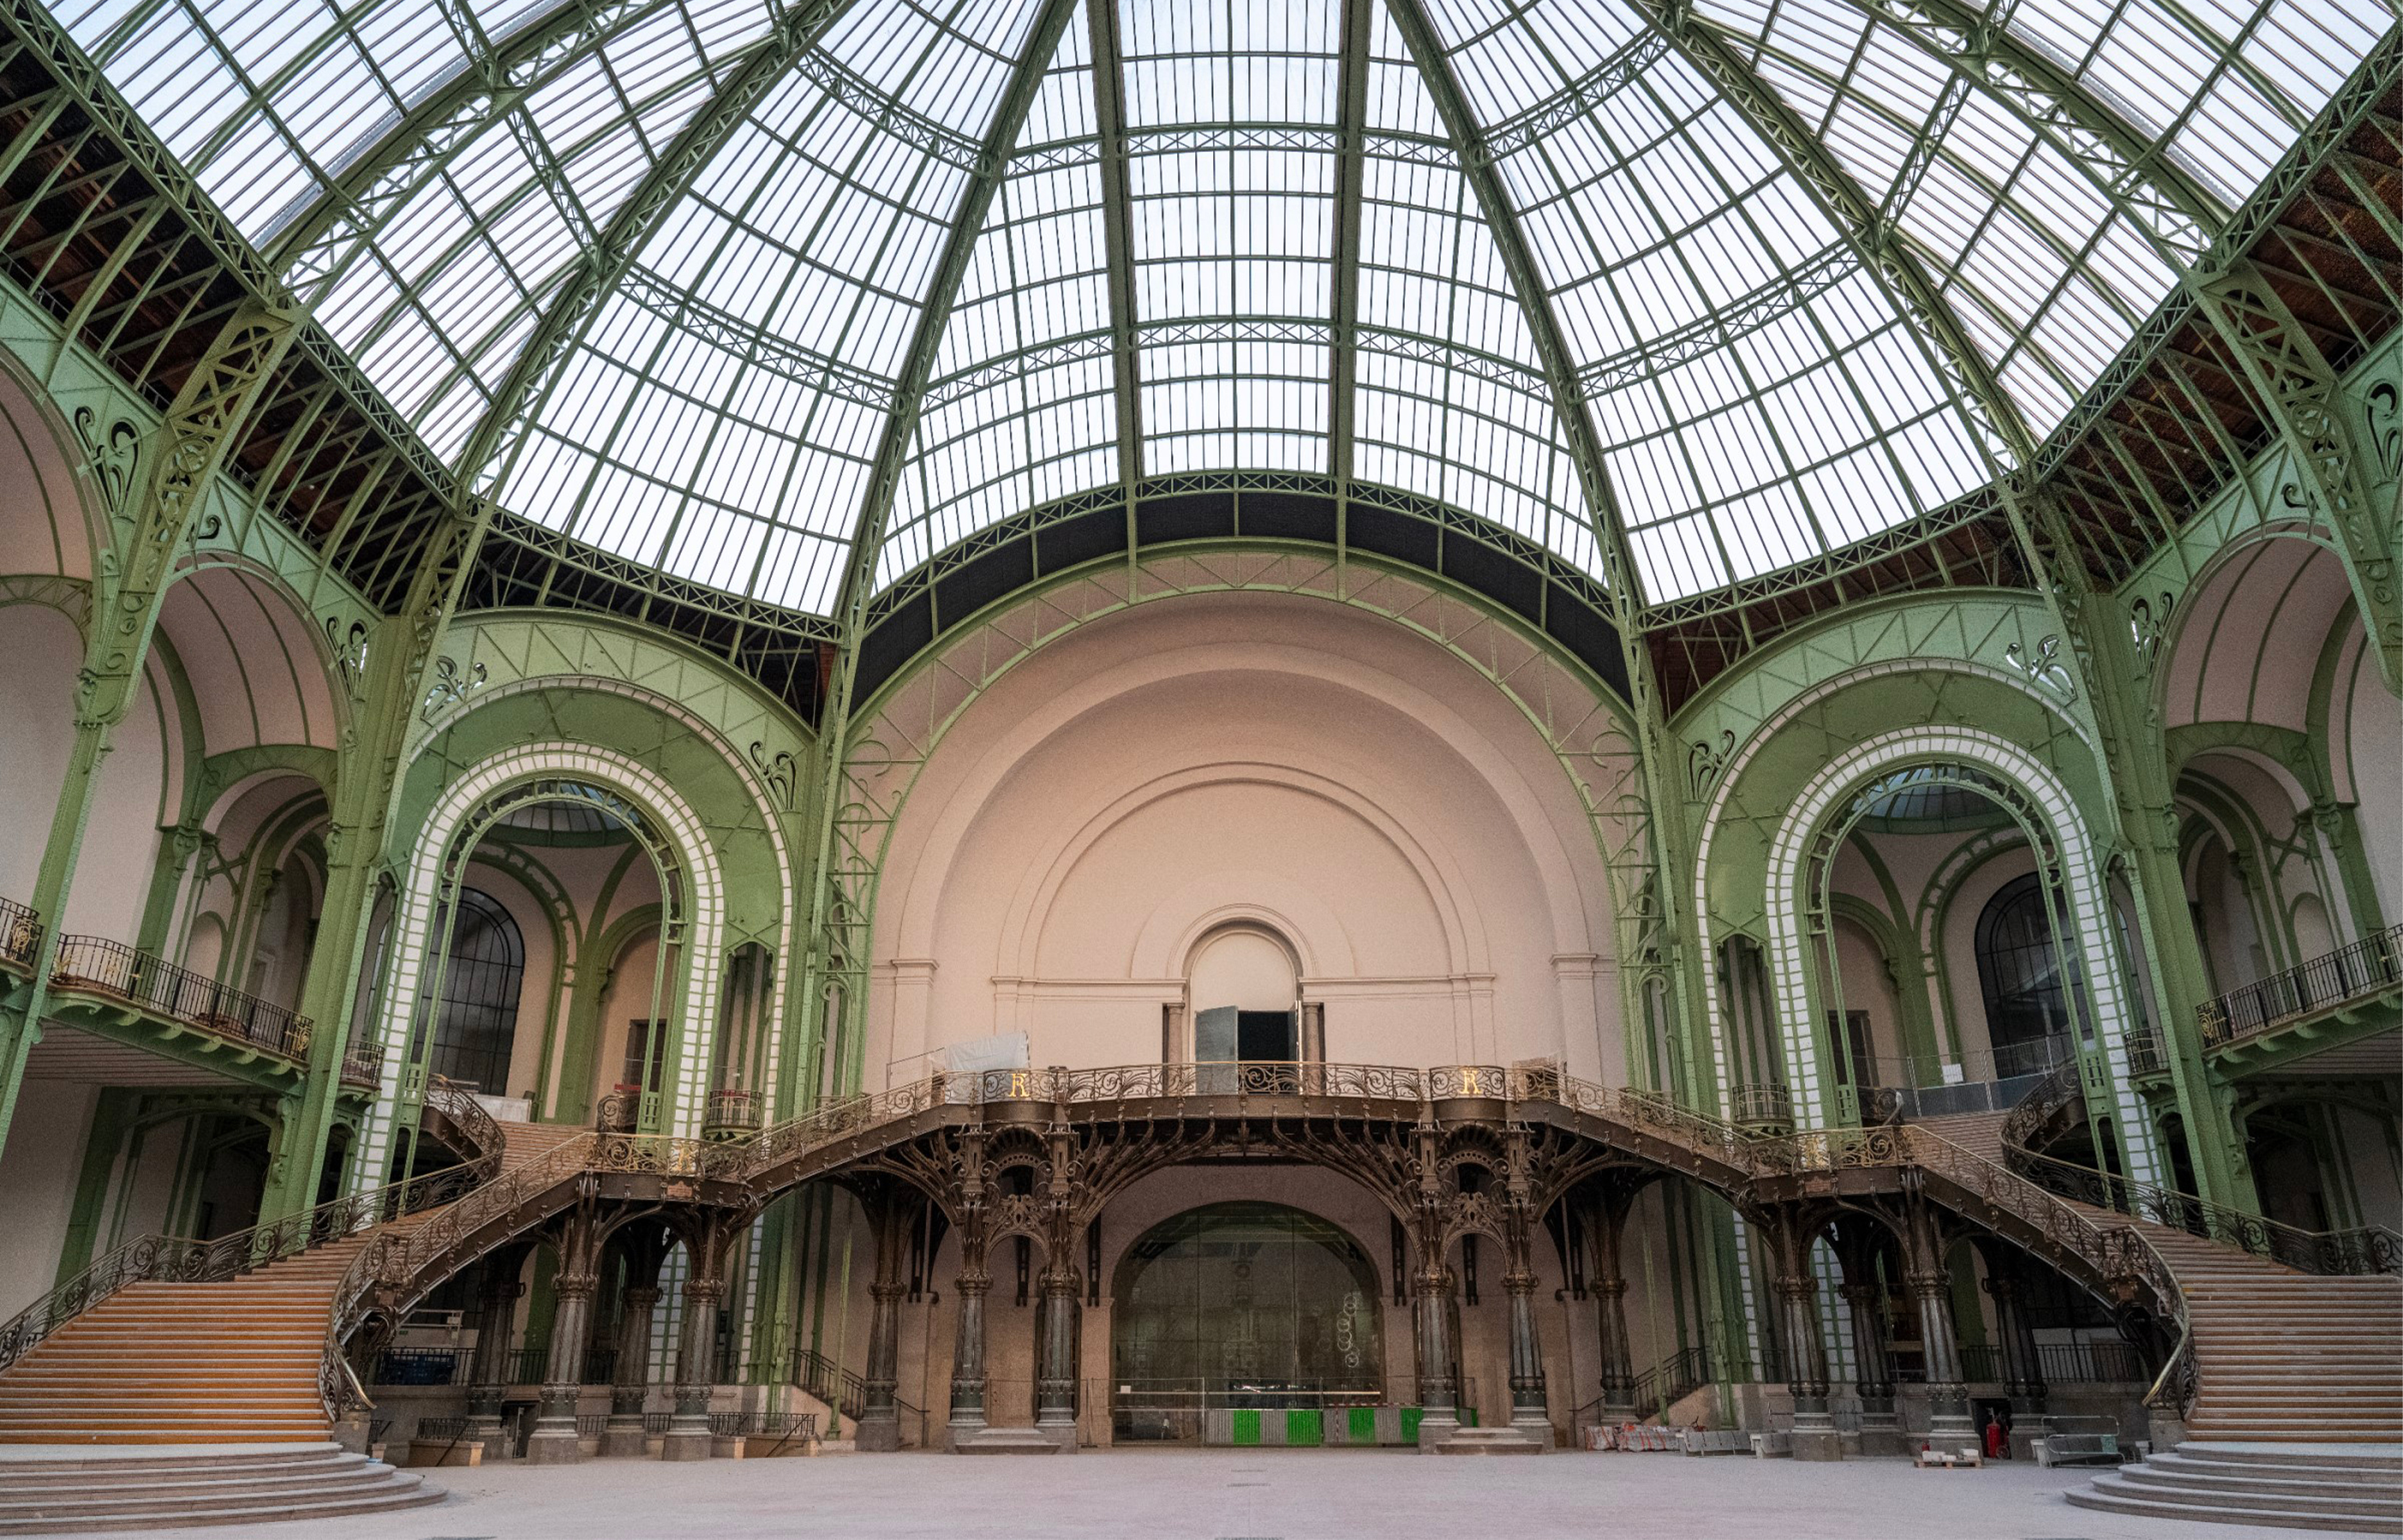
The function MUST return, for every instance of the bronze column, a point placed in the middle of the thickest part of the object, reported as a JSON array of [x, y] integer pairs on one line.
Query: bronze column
[[630, 1380], [489, 1368], [1610, 1309], [553, 1442], [1949, 1422], [705, 1293], [1055, 1389], [1439, 1394]]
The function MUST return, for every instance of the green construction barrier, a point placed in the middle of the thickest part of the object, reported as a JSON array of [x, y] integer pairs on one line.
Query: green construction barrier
[[1411, 1416], [1361, 1424], [1305, 1427], [1248, 1427]]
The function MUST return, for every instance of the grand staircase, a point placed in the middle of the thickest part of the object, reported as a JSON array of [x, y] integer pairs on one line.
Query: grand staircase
[[2296, 1421], [156, 1488], [225, 1362]]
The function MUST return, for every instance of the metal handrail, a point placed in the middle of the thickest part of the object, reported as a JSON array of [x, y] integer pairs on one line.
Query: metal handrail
[[2369, 966], [184, 1260], [20, 935], [2373, 1249], [94, 965]]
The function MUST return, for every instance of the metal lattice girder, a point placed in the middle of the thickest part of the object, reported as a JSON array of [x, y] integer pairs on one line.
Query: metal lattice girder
[[2305, 396], [849, 852], [493, 446], [322, 244], [2178, 213]]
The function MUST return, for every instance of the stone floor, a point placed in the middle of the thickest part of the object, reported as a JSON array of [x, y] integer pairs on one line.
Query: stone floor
[[1233, 1494]]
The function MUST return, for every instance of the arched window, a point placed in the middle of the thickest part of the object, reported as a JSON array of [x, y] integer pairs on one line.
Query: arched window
[[480, 975], [2021, 971]]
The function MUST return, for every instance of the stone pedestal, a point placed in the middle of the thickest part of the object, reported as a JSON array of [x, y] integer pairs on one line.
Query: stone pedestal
[[1816, 1438], [987, 1440], [689, 1444], [1507, 1440], [625, 1443]]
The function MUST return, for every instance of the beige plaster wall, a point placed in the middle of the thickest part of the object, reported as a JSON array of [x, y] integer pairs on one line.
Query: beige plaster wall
[[1245, 759]]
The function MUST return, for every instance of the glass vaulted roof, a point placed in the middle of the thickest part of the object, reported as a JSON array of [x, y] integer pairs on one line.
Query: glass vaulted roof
[[719, 284]]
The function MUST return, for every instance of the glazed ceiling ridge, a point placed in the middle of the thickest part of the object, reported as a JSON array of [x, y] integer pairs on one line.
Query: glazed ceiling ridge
[[654, 273]]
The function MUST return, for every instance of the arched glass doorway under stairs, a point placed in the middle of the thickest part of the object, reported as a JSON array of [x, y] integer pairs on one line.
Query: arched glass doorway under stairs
[[1244, 1305]]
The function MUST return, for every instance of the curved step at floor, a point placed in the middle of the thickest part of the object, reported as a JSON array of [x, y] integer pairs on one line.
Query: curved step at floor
[[2346, 1487], [74, 1490]]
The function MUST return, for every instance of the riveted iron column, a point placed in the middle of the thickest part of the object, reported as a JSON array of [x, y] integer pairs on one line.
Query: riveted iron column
[[1873, 1366], [1529, 1409], [1948, 1394], [630, 1381], [489, 1368], [879, 1428], [967, 1358], [2023, 1369], [1438, 1393], [1806, 1363], [705, 1293], [1055, 1391], [1930, 1284], [1610, 1310], [571, 1323]]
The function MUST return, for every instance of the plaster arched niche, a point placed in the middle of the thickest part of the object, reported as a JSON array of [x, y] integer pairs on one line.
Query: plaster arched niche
[[1247, 967], [1137, 795]]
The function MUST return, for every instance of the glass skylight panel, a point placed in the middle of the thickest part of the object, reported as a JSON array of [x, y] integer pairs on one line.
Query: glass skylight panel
[[2225, 83], [1692, 279], [1450, 400], [1021, 407], [2006, 224], [1231, 174], [721, 417]]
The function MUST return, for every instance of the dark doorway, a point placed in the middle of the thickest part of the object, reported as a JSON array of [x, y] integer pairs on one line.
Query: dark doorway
[[1265, 1036]]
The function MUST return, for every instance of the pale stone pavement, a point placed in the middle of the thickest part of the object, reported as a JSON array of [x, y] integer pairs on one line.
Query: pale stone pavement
[[1242, 1494]]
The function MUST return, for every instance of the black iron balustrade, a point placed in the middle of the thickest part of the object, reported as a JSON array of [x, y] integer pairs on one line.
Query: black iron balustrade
[[731, 1114], [1767, 1106], [2370, 966], [93, 964], [363, 1063], [528, 1362], [20, 935], [2371, 1250], [2146, 1053]]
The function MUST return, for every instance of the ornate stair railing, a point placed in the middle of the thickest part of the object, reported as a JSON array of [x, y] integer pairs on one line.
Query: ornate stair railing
[[2370, 966], [2373, 1249], [164, 1258]]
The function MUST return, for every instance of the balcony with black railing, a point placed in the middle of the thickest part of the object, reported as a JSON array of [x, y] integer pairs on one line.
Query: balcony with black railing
[[2347, 976], [111, 974], [21, 936]]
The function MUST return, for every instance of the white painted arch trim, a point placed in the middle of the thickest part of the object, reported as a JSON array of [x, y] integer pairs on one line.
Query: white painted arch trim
[[2081, 878], [795, 915], [421, 894]]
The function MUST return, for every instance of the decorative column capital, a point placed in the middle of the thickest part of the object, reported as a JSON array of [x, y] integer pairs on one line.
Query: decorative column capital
[[576, 1286], [1796, 1286], [888, 1293], [704, 1291], [1431, 1279], [1861, 1295], [641, 1297], [1609, 1288], [975, 1286], [1928, 1285]]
